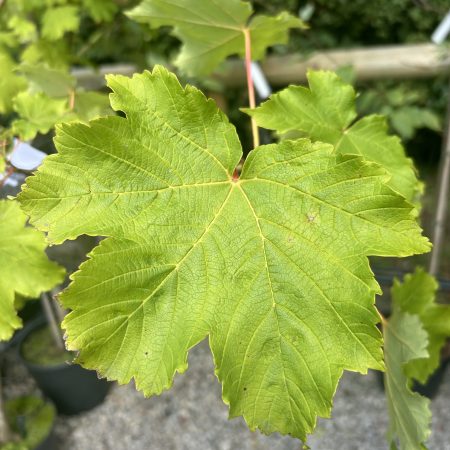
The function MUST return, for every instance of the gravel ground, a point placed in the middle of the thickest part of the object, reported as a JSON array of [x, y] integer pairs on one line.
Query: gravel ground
[[191, 416]]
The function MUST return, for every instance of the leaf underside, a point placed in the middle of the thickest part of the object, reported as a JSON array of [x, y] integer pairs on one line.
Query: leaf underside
[[213, 30], [24, 266], [273, 267], [326, 112]]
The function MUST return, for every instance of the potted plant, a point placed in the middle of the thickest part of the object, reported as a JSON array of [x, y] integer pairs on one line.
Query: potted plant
[[30, 422], [26, 423], [71, 388]]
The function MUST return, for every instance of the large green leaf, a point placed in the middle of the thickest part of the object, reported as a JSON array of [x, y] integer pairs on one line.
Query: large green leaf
[[405, 341], [24, 267], [272, 266], [326, 112], [416, 295], [211, 30]]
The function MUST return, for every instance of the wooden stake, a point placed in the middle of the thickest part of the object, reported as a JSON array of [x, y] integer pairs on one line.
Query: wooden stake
[[5, 432], [52, 321], [441, 209]]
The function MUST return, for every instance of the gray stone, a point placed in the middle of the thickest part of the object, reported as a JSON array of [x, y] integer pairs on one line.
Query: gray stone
[[192, 416]]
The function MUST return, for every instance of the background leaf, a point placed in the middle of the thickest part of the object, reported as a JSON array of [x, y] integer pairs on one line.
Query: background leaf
[[101, 10], [38, 114], [25, 268], [10, 83], [417, 295], [59, 20], [326, 112], [214, 30], [406, 341], [89, 105], [52, 82]]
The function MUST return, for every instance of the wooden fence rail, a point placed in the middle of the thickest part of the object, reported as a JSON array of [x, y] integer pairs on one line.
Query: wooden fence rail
[[372, 63]]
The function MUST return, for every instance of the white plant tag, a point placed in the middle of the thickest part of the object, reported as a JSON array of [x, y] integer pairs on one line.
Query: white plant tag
[[11, 182], [26, 157], [262, 86], [442, 31]]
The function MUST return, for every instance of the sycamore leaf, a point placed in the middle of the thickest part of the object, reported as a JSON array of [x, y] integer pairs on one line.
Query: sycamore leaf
[[326, 112], [24, 266], [273, 266], [59, 20], [416, 295], [10, 83], [212, 30], [38, 114], [405, 340], [52, 82]]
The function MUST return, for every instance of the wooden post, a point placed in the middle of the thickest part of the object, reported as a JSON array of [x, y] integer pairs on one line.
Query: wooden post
[[442, 206], [5, 432]]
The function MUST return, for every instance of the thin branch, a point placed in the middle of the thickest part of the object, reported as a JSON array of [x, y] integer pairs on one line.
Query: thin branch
[[250, 87], [8, 173], [11, 169], [441, 210]]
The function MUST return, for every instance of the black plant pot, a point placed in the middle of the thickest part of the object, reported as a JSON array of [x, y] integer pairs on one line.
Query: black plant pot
[[49, 443], [431, 387], [72, 388]]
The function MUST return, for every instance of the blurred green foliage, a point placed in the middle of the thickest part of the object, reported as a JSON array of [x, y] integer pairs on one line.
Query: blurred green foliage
[[64, 33], [347, 23], [30, 418], [410, 105]]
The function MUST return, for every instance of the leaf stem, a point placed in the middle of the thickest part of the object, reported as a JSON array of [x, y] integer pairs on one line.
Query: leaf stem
[[250, 87], [383, 319], [72, 99]]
